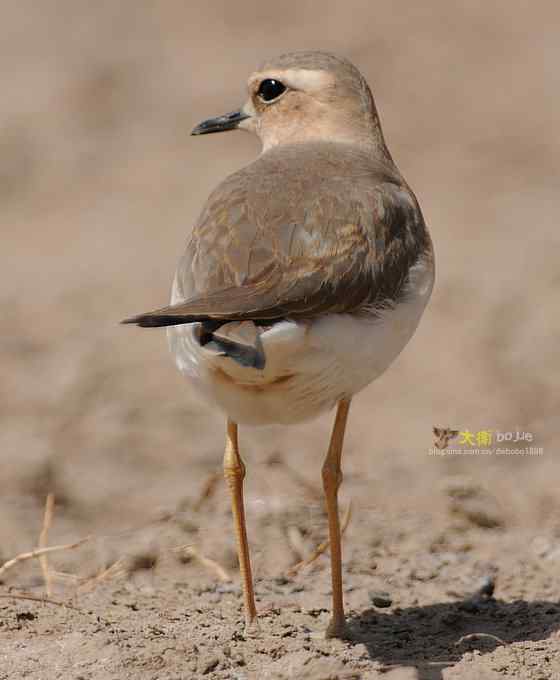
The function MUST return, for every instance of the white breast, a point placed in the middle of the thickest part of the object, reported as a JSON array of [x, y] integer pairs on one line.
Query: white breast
[[309, 365]]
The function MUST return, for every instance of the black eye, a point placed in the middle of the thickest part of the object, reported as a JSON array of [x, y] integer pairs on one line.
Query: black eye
[[270, 89]]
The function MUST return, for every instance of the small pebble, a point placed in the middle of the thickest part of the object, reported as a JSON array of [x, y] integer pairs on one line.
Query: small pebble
[[281, 580], [208, 664], [487, 587], [380, 599]]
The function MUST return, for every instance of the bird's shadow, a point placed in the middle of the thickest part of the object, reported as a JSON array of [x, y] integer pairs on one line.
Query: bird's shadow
[[434, 637]]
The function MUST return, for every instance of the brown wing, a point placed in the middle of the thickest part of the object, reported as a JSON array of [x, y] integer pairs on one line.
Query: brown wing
[[314, 244]]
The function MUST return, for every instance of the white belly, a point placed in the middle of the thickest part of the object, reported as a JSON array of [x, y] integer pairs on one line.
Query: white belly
[[309, 365]]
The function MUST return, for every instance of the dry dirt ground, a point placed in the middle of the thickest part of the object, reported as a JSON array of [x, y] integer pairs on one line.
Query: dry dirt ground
[[99, 184]]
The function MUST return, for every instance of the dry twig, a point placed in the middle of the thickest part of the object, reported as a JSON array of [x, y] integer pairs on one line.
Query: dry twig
[[64, 577], [35, 598], [296, 541], [43, 541], [322, 547], [116, 569], [208, 490], [41, 551], [214, 566], [476, 636]]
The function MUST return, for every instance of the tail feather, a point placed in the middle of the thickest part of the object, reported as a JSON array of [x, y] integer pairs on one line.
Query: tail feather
[[250, 354], [240, 341], [245, 355]]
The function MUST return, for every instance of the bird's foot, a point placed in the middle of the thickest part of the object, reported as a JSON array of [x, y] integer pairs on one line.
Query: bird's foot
[[337, 628], [252, 627]]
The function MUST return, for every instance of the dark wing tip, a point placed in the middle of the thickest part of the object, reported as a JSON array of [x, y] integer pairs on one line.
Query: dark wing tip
[[131, 319], [152, 320]]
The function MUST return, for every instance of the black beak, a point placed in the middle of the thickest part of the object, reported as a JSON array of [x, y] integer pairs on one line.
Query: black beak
[[228, 122]]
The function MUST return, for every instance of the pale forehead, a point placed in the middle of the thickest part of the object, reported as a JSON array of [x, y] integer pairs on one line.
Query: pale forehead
[[297, 79], [309, 70], [310, 60]]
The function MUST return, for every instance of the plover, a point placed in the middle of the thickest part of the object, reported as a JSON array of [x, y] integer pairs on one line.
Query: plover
[[305, 275]]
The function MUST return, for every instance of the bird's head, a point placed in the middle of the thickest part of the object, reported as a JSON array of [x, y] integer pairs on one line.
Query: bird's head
[[304, 96]]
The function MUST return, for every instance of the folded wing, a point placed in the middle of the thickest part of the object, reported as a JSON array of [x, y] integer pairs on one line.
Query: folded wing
[[291, 256]]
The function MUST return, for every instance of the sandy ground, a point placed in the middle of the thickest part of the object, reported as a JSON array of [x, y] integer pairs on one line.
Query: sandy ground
[[99, 184]]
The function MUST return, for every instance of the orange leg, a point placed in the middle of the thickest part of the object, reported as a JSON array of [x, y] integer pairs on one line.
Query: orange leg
[[234, 472], [332, 478]]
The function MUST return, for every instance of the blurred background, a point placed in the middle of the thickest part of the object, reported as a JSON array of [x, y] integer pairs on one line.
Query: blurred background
[[100, 183]]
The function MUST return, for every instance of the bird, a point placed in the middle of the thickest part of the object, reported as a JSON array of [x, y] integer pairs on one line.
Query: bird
[[304, 277]]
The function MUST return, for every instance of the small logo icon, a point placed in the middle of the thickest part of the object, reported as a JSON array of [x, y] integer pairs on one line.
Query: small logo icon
[[443, 435]]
